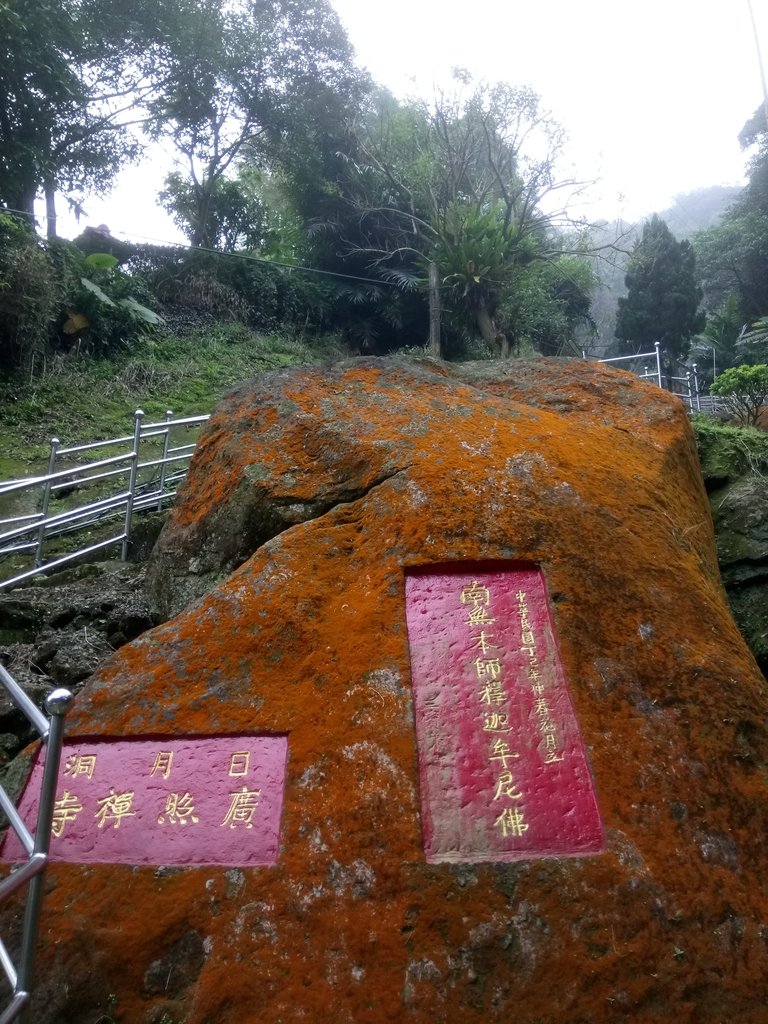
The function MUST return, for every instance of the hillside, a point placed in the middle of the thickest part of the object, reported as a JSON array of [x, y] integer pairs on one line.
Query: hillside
[[77, 398]]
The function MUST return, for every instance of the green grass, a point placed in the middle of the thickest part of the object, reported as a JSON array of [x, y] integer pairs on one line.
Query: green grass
[[79, 398]]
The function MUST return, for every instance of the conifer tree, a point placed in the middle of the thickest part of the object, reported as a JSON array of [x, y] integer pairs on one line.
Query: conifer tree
[[663, 298]]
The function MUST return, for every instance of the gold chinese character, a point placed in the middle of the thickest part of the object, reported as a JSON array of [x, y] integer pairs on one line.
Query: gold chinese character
[[476, 595], [505, 786], [483, 642], [492, 693], [533, 673], [179, 809], [80, 764], [552, 757], [530, 651], [66, 808], [479, 617], [163, 762], [493, 721], [500, 752], [548, 726], [491, 667], [114, 807], [541, 706], [538, 688], [512, 822], [240, 763], [527, 638], [241, 809]]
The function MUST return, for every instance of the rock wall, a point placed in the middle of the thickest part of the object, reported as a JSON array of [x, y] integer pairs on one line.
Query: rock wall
[[740, 511], [310, 495], [734, 464]]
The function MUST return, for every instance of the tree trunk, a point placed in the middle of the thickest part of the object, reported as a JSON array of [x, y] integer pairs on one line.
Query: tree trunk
[[434, 312], [204, 233], [22, 200], [494, 338], [50, 209]]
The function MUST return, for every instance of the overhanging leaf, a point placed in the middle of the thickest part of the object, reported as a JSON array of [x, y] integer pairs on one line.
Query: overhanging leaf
[[100, 295], [141, 312]]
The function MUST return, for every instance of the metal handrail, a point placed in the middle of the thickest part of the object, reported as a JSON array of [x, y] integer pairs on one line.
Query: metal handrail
[[28, 532], [58, 562], [21, 519], [640, 355], [692, 397], [64, 517], [37, 846], [21, 485]]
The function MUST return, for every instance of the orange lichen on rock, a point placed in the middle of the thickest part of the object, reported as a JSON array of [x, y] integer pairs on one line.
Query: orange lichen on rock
[[310, 495]]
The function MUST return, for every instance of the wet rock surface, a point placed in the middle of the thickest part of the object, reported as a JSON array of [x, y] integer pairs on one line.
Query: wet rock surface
[[740, 513], [59, 630]]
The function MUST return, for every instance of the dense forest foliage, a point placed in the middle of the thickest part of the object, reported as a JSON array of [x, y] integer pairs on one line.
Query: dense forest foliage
[[314, 201]]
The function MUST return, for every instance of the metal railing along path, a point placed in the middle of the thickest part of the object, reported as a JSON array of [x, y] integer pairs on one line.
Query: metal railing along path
[[31, 871], [691, 395], [640, 355], [144, 484], [709, 404], [688, 394]]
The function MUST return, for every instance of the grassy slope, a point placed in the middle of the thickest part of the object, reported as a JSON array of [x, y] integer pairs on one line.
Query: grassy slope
[[80, 399]]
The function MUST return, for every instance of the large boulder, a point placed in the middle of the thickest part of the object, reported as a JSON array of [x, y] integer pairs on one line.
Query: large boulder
[[310, 496]]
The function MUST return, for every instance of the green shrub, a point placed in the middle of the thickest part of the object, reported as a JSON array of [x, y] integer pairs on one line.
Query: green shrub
[[30, 295], [234, 286], [105, 308], [744, 390]]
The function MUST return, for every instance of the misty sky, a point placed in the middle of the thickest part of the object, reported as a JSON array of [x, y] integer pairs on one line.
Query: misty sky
[[652, 93]]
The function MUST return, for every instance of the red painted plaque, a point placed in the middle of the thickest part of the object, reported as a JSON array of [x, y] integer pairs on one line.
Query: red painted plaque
[[503, 771], [214, 800]]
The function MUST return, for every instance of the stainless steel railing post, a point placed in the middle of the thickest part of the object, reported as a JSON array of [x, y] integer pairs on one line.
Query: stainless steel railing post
[[56, 704], [36, 847], [138, 417], [46, 501], [696, 387], [166, 442]]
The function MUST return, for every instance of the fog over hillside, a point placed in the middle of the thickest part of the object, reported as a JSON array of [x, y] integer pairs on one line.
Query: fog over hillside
[[690, 212]]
